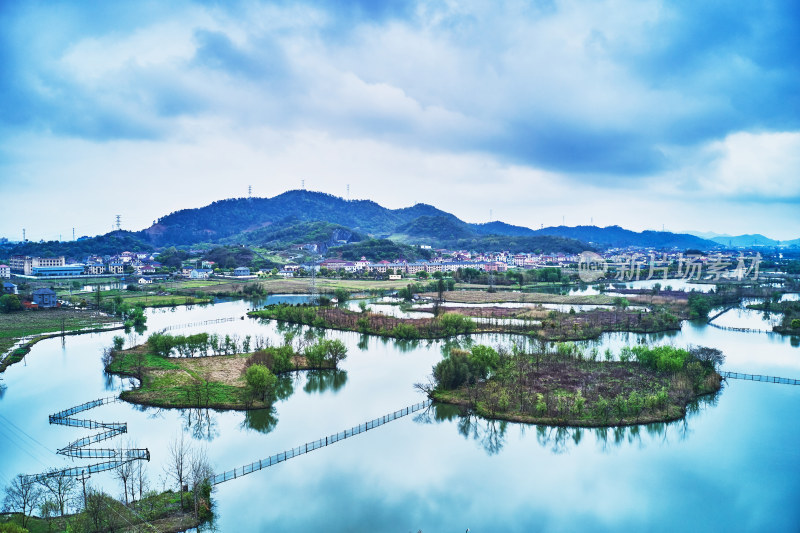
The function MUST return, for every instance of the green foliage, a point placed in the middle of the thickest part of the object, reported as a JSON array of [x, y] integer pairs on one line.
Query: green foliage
[[405, 332], [108, 244], [342, 295], [453, 371], [9, 303], [699, 305], [455, 324], [230, 256], [261, 382], [325, 353], [795, 324], [661, 358], [119, 342], [380, 250], [439, 228], [483, 360]]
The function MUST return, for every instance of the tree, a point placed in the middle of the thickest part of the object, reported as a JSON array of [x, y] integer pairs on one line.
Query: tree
[[22, 496], [199, 473], [10, 303], [261, 382], [119, 342], [60, 488], [177, 467], [124, 472]]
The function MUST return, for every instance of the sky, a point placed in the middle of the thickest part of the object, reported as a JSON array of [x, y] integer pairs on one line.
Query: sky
[[645, 114]]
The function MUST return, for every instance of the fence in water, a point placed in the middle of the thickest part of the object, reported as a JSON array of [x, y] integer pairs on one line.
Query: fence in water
[[315, 445], [759, 377], [77, 449], [195, 324]]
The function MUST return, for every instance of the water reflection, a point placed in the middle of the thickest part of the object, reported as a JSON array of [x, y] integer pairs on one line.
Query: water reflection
[[491, 434], [200, 423], [261, 420], [319, 381]]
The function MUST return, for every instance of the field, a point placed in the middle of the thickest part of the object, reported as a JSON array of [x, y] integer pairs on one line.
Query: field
[[15, 326]]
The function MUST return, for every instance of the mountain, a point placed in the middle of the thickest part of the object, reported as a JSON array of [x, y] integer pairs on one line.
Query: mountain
[[111, 243], [617, 237], [743, 241], [289, 232], [261, 220], [437, 228], [501, 228]]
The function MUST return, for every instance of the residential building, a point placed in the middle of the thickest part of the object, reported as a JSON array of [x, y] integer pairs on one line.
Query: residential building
[[95, 269], [286, 273], [45, 298], [241, 271], [5, 271], [9, 288], [200, 273], [116, 268]]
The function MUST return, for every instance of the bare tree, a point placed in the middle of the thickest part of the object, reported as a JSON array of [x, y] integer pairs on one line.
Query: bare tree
[[178, 458], [139, 484], [124, 470], [199, 473], [60, 488], [22, 496]]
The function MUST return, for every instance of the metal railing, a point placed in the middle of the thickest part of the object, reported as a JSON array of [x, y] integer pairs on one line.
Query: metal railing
[[315, 445], [759, 377], [77, 448]]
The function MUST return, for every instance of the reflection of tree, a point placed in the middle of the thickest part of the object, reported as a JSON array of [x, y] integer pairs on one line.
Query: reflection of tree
[[491, 433], [200, 423], [363, 343], [320, 381], [284, 387], [261, 420]]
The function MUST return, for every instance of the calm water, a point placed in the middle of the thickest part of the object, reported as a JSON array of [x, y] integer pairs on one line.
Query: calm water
[[732, 465]]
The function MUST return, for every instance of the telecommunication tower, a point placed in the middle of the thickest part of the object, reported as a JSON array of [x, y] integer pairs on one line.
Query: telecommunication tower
[[118, 222]]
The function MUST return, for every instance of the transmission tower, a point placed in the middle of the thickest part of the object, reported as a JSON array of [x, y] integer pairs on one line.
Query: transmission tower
[[249, 191], [73, 234], [348, 192], [303, 184], [118, 222], [23, 235]]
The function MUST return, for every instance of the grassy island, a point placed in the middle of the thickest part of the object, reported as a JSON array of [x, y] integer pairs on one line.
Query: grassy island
[[545, 324], [210, 373], [568, 387]]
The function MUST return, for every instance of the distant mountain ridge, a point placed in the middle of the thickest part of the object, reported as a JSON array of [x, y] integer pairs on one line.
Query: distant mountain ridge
[[226, 219], [302, 217]]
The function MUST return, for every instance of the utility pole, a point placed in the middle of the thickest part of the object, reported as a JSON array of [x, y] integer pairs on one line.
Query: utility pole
[[314, 283]]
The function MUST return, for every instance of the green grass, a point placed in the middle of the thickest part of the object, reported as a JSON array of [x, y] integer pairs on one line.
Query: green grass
[[14, 326]]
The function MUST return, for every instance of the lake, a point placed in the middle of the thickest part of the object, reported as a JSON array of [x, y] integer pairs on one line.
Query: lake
[[731, 465]]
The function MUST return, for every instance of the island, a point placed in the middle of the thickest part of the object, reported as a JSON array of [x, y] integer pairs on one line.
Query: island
[[568, 386]]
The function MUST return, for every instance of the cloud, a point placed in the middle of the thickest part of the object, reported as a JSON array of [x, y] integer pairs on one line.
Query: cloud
[[583, 101]]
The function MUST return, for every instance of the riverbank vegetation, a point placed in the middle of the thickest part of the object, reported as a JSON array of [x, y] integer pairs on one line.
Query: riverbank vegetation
[[790, 323], [45, 323], [218, 372], [554, 325], [565, 385]]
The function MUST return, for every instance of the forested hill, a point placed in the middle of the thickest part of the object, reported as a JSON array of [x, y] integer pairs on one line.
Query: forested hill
[[617, 237], [226, 220]]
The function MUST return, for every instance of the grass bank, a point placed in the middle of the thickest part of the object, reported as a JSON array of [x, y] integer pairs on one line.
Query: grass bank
[[154, 512]]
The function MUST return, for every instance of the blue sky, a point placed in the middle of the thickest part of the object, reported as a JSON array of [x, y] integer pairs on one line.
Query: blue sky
[[645, 114]]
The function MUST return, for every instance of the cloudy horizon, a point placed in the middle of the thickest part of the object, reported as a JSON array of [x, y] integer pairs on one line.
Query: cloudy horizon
[[642, 114]]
